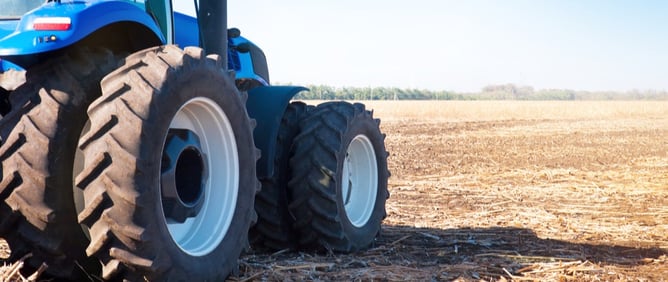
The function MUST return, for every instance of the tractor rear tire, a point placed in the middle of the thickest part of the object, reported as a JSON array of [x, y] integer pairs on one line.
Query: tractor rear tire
[[274, 228], [339, 178], [46, 120], [160, 91]]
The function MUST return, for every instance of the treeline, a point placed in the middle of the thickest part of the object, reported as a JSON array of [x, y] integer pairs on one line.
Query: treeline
[[491, 92]]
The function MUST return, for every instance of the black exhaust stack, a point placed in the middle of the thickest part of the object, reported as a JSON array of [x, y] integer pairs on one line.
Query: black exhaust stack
[[212, 17]]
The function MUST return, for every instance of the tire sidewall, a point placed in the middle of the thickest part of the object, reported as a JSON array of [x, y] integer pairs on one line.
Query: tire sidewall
[[363, 124], [220, 90]]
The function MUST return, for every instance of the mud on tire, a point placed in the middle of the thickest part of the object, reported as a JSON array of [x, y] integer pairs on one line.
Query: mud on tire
[[338, 184], [133, 233]]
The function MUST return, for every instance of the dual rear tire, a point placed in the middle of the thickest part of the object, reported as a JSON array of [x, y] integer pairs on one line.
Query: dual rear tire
[[329, 185], [338, 184], [274, 229], [150, 215]]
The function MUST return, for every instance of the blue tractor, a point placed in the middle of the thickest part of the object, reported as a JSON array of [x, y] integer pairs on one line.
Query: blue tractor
[[139, 143]]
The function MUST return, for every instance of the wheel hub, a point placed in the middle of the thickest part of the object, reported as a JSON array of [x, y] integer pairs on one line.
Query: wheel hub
[[359, 180], [183, 175]]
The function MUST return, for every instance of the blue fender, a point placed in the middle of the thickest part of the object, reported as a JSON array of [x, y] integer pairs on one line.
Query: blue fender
[[7, 65], [86, 18], [266, 105]]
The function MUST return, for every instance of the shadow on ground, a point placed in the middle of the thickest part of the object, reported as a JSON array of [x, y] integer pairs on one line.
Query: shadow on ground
[[406, 253]]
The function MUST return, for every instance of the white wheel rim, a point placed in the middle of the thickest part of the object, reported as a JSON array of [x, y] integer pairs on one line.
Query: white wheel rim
[[201, 234], [359, 181]]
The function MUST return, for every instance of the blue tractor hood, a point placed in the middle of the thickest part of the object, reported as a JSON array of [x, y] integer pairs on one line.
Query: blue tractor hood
[[82, 17], [7, 27]]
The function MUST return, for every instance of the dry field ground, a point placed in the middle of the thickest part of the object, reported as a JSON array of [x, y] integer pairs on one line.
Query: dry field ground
[[523, 191]]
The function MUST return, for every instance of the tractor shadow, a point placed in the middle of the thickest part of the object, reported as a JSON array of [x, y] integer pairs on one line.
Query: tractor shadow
[[460, 244], [404, 253]]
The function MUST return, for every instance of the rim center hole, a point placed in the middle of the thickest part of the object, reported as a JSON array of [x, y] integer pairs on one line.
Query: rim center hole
[[189, 176]]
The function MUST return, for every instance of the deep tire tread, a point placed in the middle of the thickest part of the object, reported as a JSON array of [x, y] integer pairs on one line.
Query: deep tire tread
[[318, 151], [119, 188], [274, 229], [48, 112]]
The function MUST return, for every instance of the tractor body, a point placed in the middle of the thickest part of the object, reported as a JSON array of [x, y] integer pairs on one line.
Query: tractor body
[[141, 143]]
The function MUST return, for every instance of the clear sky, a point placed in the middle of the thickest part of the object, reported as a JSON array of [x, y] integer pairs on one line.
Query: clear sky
[[461, 45]]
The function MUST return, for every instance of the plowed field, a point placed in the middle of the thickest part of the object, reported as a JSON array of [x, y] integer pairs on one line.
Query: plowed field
[[524, 191], [511, 191]]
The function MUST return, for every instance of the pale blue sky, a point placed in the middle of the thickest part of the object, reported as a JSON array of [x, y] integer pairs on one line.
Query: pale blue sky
[[461, 45]]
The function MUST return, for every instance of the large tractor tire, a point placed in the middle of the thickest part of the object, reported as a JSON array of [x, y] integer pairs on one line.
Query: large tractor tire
[[339, 177], [169, 178], [274, 228], [9, 82], [47, 115]]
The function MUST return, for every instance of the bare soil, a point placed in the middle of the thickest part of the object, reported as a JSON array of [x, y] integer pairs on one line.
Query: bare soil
[[524, 191]]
